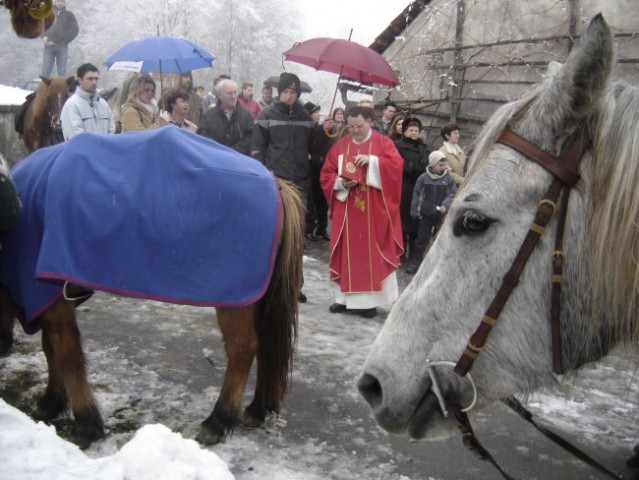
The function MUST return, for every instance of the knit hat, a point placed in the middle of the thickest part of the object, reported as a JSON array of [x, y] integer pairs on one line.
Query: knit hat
[[289, 80], [310, 107], [435, 157]]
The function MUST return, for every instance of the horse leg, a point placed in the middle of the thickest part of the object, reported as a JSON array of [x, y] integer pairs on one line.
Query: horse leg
[[7, 319], [68, 383], [255, 413], [270, 387], [240, 342]]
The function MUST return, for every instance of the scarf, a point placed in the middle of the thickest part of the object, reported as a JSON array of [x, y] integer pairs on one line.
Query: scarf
[[152, 108], [434, 176]]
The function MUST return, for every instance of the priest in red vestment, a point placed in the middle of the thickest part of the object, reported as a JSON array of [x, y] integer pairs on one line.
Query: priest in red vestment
[[362, 181]]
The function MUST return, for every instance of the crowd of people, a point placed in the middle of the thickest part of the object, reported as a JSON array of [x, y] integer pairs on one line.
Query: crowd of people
[[372, 186], [287, 136]]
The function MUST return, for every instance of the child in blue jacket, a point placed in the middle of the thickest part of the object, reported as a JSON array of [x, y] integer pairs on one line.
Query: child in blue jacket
[[432, 196]]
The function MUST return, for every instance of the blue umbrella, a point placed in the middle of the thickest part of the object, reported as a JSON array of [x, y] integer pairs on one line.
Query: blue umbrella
[[160, 54]]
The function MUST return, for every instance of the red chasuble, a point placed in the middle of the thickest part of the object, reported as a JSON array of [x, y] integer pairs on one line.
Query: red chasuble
[[366, 230]]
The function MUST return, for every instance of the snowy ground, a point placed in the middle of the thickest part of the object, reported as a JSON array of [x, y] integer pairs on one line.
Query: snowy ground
[[154, 363]]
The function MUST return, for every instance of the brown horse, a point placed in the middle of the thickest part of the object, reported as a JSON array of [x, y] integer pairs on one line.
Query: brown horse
[[30, 18], [41, 125], [263, 327]]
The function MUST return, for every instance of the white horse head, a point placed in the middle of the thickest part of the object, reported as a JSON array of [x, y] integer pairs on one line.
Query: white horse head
[[483, 231]]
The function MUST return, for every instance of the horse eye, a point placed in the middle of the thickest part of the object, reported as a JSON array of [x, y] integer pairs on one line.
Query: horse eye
[[471, 223]]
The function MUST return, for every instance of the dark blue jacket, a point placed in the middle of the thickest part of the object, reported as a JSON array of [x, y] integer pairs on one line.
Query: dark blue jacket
[[430, 193]]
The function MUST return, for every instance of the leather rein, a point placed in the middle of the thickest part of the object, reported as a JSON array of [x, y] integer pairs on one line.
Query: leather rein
[[564, 169]]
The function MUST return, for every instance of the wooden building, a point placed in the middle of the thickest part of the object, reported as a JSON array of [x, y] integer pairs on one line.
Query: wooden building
[[458, 60]]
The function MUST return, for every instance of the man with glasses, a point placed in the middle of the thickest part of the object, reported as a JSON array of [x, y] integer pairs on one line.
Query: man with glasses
[[85, 111], [362, 181]]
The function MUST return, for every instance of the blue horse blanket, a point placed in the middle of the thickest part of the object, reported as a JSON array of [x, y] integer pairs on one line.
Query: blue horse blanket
[[164, 214]]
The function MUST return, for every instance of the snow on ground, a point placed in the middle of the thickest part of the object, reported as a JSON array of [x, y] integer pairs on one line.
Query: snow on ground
[[153, 397], [12, 95]]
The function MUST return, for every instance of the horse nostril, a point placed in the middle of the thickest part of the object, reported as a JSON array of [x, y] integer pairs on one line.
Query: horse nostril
[[370, 388]]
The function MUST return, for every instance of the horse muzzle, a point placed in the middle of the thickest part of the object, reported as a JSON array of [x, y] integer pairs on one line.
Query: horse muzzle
[[430, 414]]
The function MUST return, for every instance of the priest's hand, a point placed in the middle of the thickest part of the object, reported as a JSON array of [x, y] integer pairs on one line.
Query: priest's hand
[[361, 160]]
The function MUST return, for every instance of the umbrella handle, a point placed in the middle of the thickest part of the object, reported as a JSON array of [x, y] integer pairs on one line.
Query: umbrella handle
[[339, 77], [330, 111]]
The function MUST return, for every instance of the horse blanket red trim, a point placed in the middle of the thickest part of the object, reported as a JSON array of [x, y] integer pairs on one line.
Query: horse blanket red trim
[[164, 214]]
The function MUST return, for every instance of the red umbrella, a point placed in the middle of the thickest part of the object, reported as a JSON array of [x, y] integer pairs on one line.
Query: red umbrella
[[346, 58]]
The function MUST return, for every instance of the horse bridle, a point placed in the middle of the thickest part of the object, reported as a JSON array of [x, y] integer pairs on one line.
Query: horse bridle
[[565, 174], [564, 169], [55, 123]]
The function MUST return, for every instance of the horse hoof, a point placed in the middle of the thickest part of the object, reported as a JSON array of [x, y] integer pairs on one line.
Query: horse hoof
[[87, 427], [208, 437], [50, 406], [6, 340], [82, 442], [5, 346], [251, 421], [84, 439], [42, 415]]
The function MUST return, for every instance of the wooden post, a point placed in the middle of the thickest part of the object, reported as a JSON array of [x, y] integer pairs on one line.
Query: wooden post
[[458, 73]]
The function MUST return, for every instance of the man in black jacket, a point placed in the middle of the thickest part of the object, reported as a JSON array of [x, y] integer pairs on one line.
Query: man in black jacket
[[284, 136], [57, 38], [228, 122]]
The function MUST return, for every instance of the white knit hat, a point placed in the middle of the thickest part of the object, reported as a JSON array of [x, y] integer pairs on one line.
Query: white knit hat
[[435, 157]]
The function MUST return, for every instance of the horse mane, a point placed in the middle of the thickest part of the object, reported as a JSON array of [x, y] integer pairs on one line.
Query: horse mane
[[610, 175], [613, 221], [40, 106]]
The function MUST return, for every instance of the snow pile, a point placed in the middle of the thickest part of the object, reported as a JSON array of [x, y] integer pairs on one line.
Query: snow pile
[[33, 451]]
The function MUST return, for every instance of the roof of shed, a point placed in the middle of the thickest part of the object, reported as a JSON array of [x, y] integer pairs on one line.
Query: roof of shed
[[398, 25]]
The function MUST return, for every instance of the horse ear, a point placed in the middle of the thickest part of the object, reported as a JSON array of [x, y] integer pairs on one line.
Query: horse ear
[[45, 80], [571, 92], [585, 74]]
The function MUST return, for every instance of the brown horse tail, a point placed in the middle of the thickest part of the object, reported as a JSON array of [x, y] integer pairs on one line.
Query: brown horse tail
[[278, 325]]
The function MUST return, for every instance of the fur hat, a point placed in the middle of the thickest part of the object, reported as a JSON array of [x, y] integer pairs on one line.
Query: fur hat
[[310, 107], [407, 122], [435, 157], [289, 80]]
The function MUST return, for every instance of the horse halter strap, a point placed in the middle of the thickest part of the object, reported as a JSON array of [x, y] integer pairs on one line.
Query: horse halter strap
[[565, 171]]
